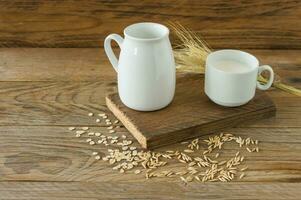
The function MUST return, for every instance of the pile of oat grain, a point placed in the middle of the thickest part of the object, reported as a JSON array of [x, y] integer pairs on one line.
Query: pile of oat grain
[[200, 165]]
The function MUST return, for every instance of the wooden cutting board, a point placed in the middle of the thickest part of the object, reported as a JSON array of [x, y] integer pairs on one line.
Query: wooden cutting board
[[190, 115]]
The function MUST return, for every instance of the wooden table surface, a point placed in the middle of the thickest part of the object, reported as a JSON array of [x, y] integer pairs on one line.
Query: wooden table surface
[[44, 91]]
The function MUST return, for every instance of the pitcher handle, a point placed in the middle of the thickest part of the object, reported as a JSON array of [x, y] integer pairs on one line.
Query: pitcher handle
[[109, 51]]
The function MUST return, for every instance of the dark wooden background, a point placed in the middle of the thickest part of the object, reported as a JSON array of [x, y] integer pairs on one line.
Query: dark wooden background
[[259, 24]]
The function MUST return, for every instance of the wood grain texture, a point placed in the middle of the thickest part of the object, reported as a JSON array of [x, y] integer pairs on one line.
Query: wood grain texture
[[44, 91], [85, 23], [91, 64], [52, 153], [189, 115], [143, 191], [67, 103]]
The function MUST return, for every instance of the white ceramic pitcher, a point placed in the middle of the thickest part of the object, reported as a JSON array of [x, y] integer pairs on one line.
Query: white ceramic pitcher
[[146, 66]]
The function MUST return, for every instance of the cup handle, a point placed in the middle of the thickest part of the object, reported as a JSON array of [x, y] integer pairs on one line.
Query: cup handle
[[271, 79], [108, 49]]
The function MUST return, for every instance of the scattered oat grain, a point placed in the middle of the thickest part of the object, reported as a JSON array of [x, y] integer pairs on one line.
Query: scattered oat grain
[[243, 169], [188, 151], [203, 168], [80, 132]]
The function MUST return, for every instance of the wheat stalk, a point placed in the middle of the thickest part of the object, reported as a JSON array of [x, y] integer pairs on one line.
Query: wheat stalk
[[192, 51]]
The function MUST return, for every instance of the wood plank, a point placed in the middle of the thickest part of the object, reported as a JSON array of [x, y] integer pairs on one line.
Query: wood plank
[[55, 64], [91, 64], [67, 103], [85, 23], [190, 114], [147, 190], [51, 153]]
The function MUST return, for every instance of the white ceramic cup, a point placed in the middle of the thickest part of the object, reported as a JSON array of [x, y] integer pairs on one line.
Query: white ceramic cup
[[233, 85], [146, 66]]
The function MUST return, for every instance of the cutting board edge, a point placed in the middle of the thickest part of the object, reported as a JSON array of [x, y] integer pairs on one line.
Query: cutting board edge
[[266, 112], [129, 125], [147, 143]]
